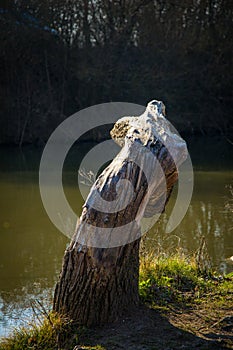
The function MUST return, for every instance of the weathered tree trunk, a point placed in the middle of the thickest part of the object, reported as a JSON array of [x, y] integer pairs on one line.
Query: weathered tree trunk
[[99, 278]]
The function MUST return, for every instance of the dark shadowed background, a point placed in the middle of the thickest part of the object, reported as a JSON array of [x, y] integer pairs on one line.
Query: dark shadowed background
[[58, 57]]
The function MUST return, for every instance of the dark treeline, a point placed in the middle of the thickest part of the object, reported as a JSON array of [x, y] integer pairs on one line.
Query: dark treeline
[[58, 57]]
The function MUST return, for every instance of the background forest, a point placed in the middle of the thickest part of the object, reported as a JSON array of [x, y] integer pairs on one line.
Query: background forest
[[58, 57]]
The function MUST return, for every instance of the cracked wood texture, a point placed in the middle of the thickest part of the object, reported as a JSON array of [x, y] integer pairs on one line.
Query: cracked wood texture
[[99, 277]]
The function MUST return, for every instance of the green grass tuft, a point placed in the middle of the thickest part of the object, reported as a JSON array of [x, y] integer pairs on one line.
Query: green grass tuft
[[37, 337], [177, 280]]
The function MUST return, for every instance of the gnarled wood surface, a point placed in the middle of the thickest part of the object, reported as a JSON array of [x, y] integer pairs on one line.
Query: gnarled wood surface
[[99, 277]]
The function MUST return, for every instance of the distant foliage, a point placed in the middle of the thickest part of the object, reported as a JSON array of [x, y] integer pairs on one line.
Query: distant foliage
[[58, 57]]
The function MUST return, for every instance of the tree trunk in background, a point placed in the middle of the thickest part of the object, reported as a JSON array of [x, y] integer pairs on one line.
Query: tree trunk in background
[[99, 278]]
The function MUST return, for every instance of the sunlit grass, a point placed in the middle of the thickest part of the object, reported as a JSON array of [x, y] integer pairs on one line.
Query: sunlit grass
[[39, 337], [168, 281], [54, 332]]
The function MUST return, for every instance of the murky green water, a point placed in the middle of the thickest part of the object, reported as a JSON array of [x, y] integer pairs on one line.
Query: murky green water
[[31, 248]]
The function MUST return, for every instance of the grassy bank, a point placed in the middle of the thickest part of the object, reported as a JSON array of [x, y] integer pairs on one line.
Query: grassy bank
[[189, 299]]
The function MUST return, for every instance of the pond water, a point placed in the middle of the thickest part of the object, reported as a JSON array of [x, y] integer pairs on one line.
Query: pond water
[[31, 248]]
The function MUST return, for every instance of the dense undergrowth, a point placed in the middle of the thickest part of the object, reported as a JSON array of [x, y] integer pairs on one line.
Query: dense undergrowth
[[164, 284]]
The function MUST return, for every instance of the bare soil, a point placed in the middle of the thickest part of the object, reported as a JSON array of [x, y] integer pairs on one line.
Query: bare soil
[[174, 329]]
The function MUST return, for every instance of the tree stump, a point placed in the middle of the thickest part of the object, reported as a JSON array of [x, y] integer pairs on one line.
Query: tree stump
[[99, 277]]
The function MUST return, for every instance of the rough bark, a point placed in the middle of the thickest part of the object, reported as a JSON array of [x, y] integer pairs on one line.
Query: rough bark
[[99, 278]]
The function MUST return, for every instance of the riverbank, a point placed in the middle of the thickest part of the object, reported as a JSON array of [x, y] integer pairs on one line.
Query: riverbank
[[183, 306]]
